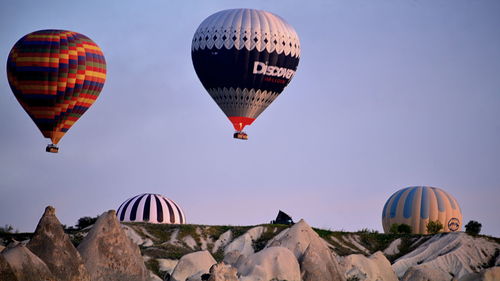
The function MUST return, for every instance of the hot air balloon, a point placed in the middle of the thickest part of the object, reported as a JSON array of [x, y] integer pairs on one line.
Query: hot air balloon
[[417, 205], [56, 75], [151, 208], [244, 58]]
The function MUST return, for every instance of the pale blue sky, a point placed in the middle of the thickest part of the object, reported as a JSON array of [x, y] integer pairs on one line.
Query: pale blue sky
[[387, 94]]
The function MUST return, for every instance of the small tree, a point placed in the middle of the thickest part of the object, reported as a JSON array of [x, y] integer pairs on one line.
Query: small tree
[[404, 228], [85, 221], [473, 227], [434, 227], [394, 228], [397, 228], [7, 229]]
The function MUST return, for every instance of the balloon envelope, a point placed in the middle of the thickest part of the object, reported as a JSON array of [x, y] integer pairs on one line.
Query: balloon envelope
[[244, 59], [151, 208], [56, 75], [417, 205]]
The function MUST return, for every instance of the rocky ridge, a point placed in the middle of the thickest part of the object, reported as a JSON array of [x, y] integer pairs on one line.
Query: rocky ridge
[[145, 252]]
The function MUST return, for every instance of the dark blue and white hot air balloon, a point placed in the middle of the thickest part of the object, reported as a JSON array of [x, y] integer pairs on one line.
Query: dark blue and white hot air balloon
[[151, 208], [244, 59], [417, 205]]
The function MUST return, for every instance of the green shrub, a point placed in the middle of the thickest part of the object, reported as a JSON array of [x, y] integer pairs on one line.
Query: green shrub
[[473, 227], [366, 230], [434, 227], [394, 228], [404, 228], [7, 229], [85, 221], [153, 265]]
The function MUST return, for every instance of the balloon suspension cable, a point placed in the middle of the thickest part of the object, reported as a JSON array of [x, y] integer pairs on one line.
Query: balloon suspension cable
[[240, 135], [52, 148]]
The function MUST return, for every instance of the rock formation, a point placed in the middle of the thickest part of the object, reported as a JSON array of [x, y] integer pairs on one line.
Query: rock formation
[[136, 238], [167, 265], [242, 246], [223, 240], [273, 263], [374, 268], [446, 256], [193, 264], [223, 272], [317, 262], [489, 274], [296, 253], [425, 274], [54, 247], [393, 248], [109, 254], [26, 266], [5, 270]]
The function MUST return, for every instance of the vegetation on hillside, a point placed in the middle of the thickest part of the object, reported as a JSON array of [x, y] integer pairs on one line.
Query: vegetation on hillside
[[168, 241], [434, 227], [473, 227]]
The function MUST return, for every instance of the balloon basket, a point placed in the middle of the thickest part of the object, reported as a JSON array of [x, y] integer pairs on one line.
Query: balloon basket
[[52, 148], [240, 135]]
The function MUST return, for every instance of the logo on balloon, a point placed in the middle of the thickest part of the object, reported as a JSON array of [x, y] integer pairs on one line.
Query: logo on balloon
[[269, 70], [453, 224]]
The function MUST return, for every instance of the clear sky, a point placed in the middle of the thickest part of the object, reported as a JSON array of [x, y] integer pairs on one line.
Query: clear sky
[[387, 94]]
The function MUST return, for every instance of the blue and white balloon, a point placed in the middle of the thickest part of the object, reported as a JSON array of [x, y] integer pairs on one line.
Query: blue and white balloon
[[417, 205]]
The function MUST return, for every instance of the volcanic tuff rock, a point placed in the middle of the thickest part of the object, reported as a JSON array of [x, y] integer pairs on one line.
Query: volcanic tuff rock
[[153, 277], [196, 263], [489, 274], [374, 268], [273, 263], [426, 274], [222, 272], [242, 247], [54, 247], [167, 265], [136, 238], [6, 271], [223, 240], [26, 265], [436, 257], [109, 254], [446, 256], [317, 262], [393, 248]]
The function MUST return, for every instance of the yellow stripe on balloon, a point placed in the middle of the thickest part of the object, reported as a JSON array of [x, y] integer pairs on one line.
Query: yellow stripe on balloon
[[97, 74], [92, 47], [39, 36], [37, 59], [90, 101], [38, 87]]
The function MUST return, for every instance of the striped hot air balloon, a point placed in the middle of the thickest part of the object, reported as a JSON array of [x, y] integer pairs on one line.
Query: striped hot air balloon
[[56, 75], [417, 205], [244, 59], [152, 208]]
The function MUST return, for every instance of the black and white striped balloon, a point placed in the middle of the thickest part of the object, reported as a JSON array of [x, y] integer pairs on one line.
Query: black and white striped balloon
[[152, 208]]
